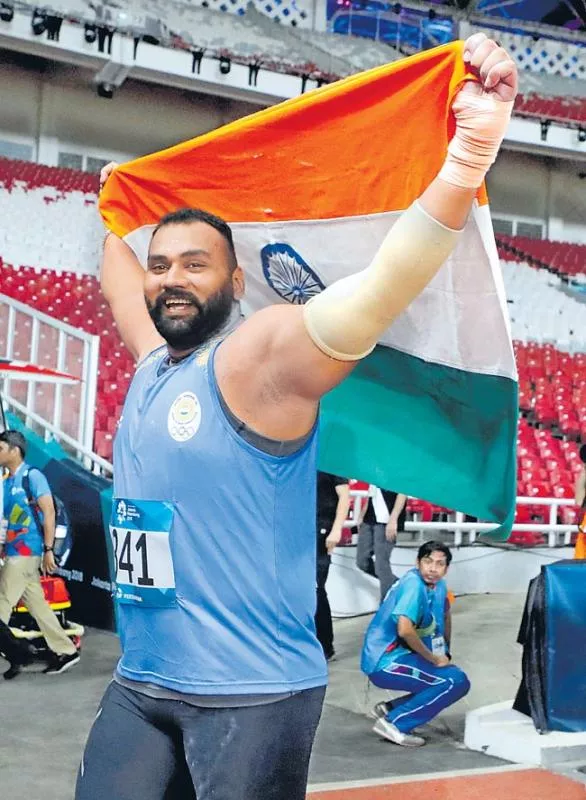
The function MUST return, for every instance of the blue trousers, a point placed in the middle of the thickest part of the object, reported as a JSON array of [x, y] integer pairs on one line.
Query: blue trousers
[[141, 748], [432, 689]]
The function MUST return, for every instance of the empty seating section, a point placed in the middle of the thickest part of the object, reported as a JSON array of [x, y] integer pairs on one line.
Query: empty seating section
[[552, 388], [35, 176], [564, 110], [543, 308], [548, 466], [63, 242], [564, 258], [49, 217], [76, 300]]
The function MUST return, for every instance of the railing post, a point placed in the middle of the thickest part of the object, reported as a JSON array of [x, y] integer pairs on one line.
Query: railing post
[[10, 342], [458, 530], [553, 518], [58, 404], [53, 425], [34, 357]]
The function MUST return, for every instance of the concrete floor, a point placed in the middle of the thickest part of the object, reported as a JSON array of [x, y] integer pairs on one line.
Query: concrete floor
[[44, 720]]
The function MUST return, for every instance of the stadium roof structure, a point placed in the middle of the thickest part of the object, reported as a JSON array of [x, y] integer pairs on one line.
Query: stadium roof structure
[[566, 13]]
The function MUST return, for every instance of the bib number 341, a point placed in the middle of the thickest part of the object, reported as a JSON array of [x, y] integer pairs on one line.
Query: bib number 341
[[142, 556], [125, 556]]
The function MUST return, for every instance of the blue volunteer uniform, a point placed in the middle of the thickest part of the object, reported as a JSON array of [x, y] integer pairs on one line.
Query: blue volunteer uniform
[[215, 553], [23, 537], [390, 664]]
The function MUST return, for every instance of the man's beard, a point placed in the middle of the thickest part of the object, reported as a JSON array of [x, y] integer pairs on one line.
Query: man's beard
[[193, 330]]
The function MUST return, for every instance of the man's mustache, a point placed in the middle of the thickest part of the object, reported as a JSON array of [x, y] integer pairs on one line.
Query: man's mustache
[[184, 297]]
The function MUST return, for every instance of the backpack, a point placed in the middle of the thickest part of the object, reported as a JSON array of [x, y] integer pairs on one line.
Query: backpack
[[63, 533]]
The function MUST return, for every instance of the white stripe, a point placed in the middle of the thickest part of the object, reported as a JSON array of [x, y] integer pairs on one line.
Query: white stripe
[[426, 705], [424, 776], [437, 678], [459, 320], [484, 222]]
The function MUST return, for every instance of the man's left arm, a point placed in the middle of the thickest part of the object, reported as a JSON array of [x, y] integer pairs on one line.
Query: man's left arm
[[394, 514], [45, 504], [41, 491]]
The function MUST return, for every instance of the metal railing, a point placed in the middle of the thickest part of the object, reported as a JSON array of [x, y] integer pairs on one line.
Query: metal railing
[[92, 461], [67, 413], [557, 534]]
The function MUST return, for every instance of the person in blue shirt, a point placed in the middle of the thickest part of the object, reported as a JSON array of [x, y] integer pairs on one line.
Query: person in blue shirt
[[27, 549], [407, 648]]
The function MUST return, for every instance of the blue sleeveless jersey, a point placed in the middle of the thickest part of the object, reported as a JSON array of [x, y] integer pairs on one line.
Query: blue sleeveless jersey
[[241, 540]]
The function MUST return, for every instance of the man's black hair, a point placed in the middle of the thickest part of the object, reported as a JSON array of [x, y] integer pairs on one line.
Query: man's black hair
[[432, 546], [184, 216], [14, 439]]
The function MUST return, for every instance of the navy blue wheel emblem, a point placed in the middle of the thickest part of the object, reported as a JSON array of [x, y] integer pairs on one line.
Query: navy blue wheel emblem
[[288, 274]]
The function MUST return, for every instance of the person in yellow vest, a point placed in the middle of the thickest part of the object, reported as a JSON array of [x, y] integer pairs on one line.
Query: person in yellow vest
[[580, 551]]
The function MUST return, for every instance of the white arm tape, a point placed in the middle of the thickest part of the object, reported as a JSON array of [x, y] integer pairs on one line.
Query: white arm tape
[[347, 319]]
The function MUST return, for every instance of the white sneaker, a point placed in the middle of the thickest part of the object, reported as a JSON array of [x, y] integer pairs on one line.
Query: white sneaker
[[390, 732], [379, 711]]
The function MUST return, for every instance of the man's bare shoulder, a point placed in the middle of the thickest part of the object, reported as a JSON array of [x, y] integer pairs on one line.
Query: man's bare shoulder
[[263, 327], [279, 312]]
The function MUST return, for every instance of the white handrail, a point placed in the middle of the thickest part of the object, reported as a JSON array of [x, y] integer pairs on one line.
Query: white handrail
[[59, 435], [89, 368], [458, 526], [42, 317]]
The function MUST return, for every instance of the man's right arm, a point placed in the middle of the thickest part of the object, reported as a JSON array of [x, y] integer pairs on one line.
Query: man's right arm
[[407, 632], [122, 280]]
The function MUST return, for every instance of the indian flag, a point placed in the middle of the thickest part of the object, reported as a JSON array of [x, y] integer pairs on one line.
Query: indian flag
[[310, 188]]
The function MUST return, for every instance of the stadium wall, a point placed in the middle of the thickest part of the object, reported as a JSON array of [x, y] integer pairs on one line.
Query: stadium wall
[[541, 189], [55, 108]]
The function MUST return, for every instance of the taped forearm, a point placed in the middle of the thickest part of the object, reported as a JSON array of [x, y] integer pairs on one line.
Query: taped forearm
[[482, 121], [346, 320]]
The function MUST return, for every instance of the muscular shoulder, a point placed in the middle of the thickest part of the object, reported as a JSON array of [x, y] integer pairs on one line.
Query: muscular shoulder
[[268, 324], [253, 342]]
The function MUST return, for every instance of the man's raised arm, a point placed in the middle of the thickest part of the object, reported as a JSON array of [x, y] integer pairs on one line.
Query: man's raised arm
[[320, 343], [121, 281]]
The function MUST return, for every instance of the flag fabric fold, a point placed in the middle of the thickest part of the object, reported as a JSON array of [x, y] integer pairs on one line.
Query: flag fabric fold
[[310, 188]]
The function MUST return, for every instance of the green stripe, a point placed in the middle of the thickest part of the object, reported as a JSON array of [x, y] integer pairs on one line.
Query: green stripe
[[429, 431]]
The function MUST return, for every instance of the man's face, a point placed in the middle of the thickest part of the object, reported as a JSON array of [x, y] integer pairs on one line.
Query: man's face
[[6, 454], [189, 288], [433, 567]]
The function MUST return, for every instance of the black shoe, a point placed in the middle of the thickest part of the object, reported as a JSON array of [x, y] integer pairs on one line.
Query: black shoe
[[26, 657], [62, 663], [12, 671]]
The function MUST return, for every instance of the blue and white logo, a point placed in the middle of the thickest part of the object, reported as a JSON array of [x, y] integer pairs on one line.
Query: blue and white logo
[[121, 512], [288, 274]]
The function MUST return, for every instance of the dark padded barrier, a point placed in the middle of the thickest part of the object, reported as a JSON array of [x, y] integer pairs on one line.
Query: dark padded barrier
[[87, 569], [553, 635]]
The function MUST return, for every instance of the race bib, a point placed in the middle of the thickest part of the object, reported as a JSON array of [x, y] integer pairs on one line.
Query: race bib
[[143, 566], [438, 646]]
